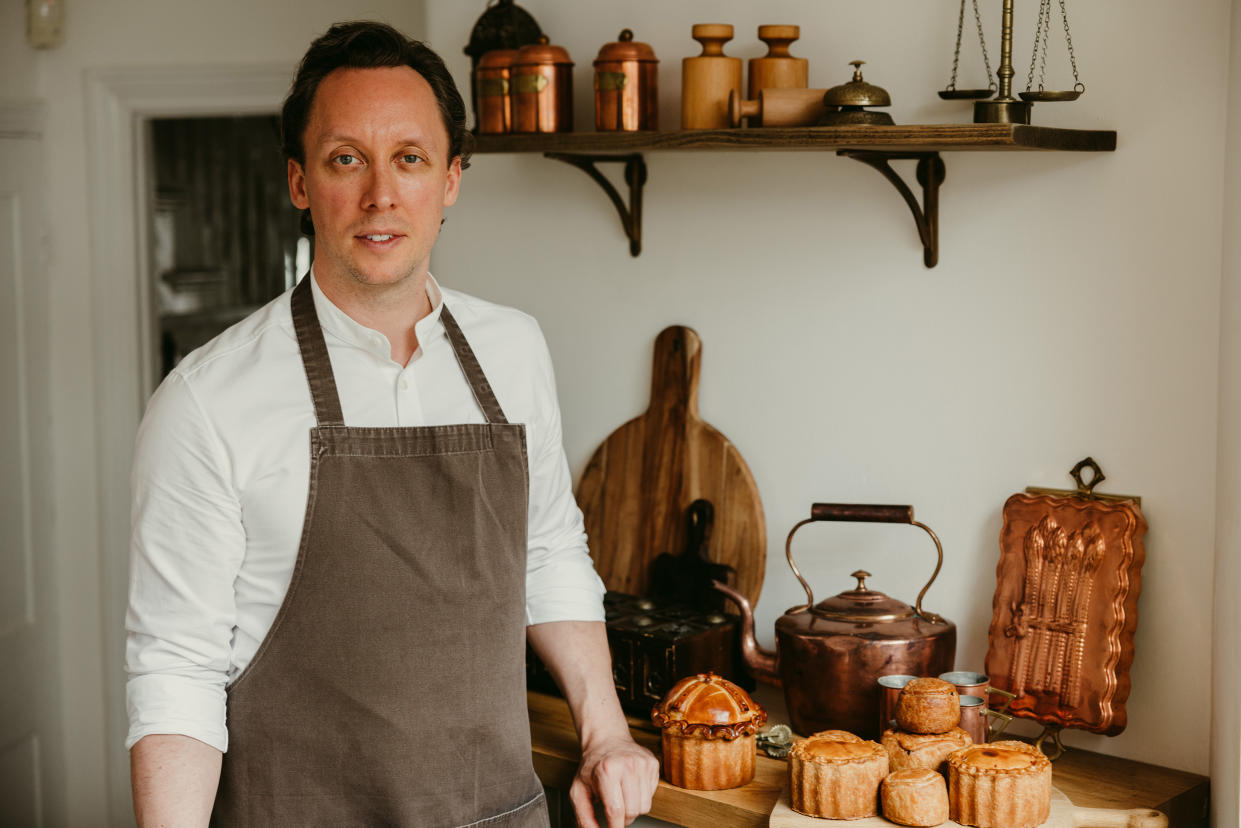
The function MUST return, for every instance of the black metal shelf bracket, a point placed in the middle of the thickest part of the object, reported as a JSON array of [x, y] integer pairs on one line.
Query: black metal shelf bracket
[[930, 175], [635, 178]]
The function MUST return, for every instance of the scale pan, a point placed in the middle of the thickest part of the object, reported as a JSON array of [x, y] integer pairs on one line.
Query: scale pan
[[1053, 95], [965, 94]]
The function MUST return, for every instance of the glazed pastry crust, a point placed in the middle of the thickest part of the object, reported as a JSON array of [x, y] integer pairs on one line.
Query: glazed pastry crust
[[928, 705], [708, 706], [835, 777], [916, 796], [999, 785], [918, 750]]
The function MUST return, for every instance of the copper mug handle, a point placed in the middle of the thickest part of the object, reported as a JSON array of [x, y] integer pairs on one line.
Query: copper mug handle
[[865, 513]]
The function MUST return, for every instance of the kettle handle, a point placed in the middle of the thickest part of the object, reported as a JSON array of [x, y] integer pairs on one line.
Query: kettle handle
[[865, 513]]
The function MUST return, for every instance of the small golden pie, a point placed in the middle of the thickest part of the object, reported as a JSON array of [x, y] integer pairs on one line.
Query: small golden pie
[[999, 785], [915, 796], [928, 705], [923, 750], [709, 730], [836, 775]]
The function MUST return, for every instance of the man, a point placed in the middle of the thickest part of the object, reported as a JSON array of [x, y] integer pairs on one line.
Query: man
[[359, 601]]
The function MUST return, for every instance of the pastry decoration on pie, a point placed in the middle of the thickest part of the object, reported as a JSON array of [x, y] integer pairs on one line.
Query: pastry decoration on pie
[[928, 705], [836, 775], [915, 796], [923, 750], [999, 785], [709, 728]]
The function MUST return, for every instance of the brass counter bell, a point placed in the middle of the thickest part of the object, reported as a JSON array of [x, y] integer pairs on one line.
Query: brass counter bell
[[846, 103]]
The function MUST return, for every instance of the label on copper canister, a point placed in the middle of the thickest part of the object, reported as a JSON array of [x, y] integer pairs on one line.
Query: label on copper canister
[[610, 81], [490, 87], [530, 83]]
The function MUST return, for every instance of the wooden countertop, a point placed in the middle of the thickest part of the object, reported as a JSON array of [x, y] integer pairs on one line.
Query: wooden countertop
[[1091, 780]]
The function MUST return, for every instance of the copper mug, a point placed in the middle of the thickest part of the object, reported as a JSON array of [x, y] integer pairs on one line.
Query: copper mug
[[889, 691], [974, 718], [968, 684]]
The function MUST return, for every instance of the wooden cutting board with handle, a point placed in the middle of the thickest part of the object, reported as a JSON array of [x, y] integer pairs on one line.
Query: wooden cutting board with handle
[[1064, 814], [638, 486]]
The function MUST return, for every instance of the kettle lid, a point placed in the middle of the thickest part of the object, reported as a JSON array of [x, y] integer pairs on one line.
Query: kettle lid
[[863, 605]]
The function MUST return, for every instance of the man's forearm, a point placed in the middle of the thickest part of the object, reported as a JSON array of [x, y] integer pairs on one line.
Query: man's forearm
[[576, 653], [174, 781]]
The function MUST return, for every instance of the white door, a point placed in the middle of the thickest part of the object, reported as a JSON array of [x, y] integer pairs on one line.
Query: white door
[[30, 747]]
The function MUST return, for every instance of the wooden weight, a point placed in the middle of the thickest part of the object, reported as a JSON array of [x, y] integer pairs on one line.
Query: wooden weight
[[707, 79]]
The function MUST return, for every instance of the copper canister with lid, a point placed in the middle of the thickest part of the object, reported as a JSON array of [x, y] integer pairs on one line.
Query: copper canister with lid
[[493, 82], [626, 86], [542, 88]]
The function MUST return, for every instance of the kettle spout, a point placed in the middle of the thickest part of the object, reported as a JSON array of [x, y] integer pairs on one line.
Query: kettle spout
[[761, 663]]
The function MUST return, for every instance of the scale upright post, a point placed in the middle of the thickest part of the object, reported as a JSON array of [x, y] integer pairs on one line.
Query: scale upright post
[[1004, 108]]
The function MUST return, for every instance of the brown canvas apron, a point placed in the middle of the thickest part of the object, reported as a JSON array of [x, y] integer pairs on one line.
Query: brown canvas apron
[[390, 690]]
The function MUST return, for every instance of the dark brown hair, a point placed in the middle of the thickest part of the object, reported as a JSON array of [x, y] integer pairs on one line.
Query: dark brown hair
[[370, 45]]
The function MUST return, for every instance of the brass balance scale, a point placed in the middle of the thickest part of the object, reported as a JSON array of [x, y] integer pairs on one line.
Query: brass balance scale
[[1004, 108]]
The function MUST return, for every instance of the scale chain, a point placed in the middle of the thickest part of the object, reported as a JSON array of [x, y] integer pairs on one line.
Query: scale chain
[[982, 41], [1068, 39], [956, 55]]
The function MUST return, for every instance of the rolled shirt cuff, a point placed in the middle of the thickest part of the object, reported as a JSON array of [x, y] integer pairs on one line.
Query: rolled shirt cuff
[[179, 705]]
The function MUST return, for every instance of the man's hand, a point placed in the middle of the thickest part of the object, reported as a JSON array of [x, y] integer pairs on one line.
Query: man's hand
[[621, 775], [616, 771]]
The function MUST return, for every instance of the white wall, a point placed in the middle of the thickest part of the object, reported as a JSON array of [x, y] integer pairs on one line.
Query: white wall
[[101, 35], [1226, 719], [1074, 311]]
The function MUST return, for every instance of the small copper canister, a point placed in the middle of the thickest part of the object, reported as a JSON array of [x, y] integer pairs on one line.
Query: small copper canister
[[495, 106], [542, 89], [626, 86]]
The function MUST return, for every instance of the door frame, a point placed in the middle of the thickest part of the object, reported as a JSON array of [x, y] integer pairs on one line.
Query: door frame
[[119, 101]]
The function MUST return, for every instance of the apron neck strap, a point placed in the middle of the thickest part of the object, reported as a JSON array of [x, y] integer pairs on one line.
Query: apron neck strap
[[319, 367], [314, 356], [474, 375]]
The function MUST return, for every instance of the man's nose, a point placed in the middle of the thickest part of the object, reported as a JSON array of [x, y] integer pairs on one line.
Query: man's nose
[[381, 190]]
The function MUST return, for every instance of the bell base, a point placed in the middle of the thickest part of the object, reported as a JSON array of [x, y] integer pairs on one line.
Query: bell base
[[1002, 112], [852, 116]]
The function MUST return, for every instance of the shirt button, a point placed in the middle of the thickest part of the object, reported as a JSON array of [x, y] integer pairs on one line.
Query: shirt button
[[404, 385]]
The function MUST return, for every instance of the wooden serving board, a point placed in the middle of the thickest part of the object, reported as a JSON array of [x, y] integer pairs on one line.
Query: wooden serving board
[[1064, 814], [637, 487]]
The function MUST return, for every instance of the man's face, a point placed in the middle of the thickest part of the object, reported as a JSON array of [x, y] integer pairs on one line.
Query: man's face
[[377, 176]]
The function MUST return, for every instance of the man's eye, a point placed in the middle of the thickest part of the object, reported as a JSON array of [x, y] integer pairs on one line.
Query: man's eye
[[411, 159], [345, 159]]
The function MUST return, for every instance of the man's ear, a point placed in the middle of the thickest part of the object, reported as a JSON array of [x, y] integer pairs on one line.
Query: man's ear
[[452, 187], [297, 186]]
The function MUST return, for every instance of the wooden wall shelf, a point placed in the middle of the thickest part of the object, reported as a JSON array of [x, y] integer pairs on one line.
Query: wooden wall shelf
[[873, 145]]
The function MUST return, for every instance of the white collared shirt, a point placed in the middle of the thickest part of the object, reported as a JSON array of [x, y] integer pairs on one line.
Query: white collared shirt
[[222, 467]]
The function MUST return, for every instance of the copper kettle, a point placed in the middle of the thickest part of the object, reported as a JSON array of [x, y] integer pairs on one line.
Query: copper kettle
[[830, 654]]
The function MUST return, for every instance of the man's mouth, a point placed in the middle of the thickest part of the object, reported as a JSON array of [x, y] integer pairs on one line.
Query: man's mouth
[[378, 237]]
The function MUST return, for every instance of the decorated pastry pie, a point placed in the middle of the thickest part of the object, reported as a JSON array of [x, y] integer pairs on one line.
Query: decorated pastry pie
[[836, 775], [915, 796], [923, 750], [928, 705], [709, 726], [999, 785]]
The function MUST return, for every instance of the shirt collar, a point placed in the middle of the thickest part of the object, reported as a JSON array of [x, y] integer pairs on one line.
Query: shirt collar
[[341, 325]]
